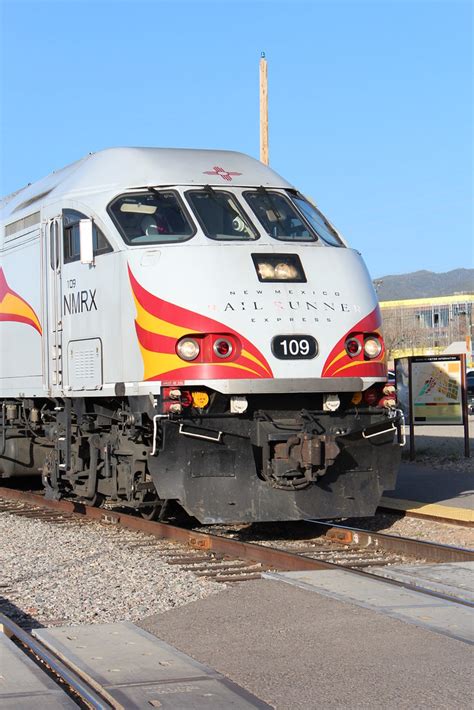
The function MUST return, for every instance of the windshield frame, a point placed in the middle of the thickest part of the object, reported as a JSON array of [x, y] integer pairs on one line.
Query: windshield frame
[[293, 195], [155, 242]]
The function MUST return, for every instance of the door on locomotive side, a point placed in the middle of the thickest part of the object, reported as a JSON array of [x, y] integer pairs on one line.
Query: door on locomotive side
[[76, 325], [87, 302], [52, 336]]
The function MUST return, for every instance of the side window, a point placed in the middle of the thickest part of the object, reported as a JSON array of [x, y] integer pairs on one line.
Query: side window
[[71, 243]]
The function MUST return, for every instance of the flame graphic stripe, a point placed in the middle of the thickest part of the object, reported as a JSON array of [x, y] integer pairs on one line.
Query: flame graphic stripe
[[339, 362], [204, 372], [14, 308], [158, 363], [153, 324], [159, 324], [163, 344], [363, 363], [190, 322], [336, 359], [155, 342], [249, 356]]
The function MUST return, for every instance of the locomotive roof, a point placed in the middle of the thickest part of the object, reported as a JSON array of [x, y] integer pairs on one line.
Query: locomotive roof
[[116, 169]]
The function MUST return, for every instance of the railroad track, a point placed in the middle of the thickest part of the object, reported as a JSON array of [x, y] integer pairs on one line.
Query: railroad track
[[84, 693], [233, 554]]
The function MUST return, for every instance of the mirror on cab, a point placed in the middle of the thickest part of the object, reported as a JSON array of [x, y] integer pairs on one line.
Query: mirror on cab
[[86, 241]]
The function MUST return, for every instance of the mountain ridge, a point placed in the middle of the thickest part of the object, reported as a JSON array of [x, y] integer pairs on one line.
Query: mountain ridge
[[424, 284]]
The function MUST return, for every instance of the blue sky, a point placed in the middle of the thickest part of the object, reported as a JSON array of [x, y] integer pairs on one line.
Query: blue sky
[[370, 103]]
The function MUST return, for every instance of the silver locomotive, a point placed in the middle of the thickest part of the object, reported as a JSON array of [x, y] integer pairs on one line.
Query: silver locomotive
[[184, 326]]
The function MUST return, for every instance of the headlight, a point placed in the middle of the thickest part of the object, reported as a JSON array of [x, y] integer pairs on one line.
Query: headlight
[[265, 271], [188, 349], [285, 272], [279, 267], [372, 347]]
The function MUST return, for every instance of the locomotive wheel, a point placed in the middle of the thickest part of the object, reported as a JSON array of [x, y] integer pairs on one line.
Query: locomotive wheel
[[97, 501], [151, 512]]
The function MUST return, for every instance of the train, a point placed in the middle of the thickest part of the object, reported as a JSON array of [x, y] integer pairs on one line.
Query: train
[[184, 329]]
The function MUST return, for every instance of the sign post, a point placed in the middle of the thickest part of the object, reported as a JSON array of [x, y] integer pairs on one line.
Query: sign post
[[411, 417]]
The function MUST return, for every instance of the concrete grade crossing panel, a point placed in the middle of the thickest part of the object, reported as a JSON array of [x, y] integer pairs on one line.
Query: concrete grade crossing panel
[[140, 671], [454, 579], [432, 613], [24, 685]]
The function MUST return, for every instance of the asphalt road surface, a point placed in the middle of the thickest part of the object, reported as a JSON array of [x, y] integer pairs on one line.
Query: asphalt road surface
[[299, 650]]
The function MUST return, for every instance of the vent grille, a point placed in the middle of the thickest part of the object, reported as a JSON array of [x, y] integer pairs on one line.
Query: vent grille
[[85, 364], [22, 224]]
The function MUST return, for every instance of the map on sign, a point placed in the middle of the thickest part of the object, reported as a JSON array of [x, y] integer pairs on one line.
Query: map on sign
[[436, 391], [439, 383]]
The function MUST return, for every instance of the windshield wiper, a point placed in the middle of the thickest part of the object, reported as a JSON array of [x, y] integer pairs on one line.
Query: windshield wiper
[[269, 197]]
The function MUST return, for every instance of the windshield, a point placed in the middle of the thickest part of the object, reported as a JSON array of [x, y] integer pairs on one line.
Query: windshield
[[318, 222], [154, 217], [220, 215], [278, 216]]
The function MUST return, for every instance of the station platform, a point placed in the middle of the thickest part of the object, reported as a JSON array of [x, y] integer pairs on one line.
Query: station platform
[[438, 492], [440, 482], [320, 642]]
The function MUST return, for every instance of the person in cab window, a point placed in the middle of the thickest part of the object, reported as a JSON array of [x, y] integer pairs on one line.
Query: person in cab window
[[153, 226]]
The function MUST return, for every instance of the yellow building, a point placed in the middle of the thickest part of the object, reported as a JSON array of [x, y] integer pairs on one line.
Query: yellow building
[[427, 326]]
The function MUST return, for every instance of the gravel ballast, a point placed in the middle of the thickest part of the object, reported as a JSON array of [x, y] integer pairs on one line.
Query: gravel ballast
[[78, 573], [419, 529]]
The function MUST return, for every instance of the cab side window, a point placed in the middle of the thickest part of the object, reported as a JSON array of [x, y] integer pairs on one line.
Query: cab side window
[[72, 244]]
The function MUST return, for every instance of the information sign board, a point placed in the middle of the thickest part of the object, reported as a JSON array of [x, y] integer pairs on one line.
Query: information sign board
[[432, 389], [436, 392]]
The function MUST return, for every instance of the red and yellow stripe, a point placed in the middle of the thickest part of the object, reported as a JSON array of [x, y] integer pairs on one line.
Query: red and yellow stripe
[[14, 308], [340, 364], [159, 324]]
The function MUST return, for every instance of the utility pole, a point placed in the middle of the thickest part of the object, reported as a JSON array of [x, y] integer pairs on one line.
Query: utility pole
[[263, 110]]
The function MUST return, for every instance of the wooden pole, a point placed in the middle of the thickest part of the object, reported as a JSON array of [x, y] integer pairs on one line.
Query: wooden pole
[[263, 110]]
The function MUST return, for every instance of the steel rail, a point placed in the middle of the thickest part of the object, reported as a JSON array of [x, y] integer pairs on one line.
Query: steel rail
[[271, 557], [426, 549], [96, 697], [431, 551]]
